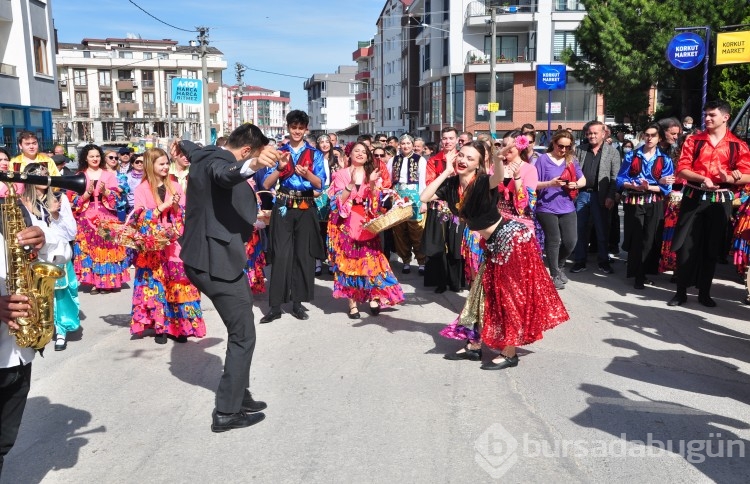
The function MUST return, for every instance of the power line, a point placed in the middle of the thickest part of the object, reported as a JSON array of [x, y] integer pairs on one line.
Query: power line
[[158, 19]]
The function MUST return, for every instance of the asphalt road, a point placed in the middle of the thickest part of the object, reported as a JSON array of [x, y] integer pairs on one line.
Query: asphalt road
[[629, 390]]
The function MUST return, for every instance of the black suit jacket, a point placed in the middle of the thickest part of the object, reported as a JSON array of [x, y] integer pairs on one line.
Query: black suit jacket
[[219, 214]]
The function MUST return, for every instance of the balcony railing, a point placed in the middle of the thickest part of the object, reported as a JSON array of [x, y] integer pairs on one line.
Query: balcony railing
[[569, 6], [82, 106], [150, 107], [127, 107], [126, 85], [484, 8], [106, 107], [504, 56], [147, 84]]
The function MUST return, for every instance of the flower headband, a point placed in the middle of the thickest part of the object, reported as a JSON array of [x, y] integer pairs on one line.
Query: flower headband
[[522, 142]]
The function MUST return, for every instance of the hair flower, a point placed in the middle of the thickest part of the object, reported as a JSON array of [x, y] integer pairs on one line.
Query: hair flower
[[522, 142]]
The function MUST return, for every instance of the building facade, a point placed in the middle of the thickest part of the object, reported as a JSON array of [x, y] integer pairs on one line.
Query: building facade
[[263, 107], [118, 89], [453, 44], [388, 73], [331, 102], [28, 90], [364, 98]]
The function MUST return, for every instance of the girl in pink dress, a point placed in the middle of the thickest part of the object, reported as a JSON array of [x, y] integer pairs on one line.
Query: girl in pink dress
[[98, 262], [163, 297]]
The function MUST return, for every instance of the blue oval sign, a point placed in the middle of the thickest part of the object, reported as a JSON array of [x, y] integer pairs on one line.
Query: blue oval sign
[[686, 50]]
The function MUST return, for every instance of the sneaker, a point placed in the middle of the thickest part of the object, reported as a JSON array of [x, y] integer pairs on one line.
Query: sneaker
[[559, 284], [562, 275], [578, 267], [606, 268]]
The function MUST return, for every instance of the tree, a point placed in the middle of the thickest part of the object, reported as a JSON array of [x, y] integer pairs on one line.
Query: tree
[[621, 52]]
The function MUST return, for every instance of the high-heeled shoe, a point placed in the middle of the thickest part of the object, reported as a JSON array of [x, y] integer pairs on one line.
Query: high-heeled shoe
[[374, 307]]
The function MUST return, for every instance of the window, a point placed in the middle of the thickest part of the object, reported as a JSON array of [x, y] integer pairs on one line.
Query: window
[[196, 57], [576, 103], [323, 102], [82, 101], [323, 86], [40, 56], [147, 78], [503, 96], [124, 74], [437, 97], [87, 54], [149, 101], [427, 12], [352, 105], [148, 55], [354, 88], [126, 97], [192, 74], [446, 51], [124, 55], [426, 57], [105, 78], [565, 40], [506, 45], [323, 118], [162, 55], [105, 100], [446, 10], [79, 77]]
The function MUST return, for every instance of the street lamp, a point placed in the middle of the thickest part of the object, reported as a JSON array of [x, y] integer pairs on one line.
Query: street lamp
[[68, 133]]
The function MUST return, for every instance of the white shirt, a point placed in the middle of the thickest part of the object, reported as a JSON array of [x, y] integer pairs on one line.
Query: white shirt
[[403, 177], [10, 353]]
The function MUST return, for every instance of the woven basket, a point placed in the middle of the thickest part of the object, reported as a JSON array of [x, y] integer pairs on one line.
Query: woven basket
[[126, 235], [393, 217]]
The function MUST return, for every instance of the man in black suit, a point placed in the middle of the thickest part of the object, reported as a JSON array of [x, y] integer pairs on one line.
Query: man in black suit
[[60, 162], [219, 215]]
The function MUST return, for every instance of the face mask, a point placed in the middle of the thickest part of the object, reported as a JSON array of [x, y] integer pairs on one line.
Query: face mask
[[688, 126], [627, 150]]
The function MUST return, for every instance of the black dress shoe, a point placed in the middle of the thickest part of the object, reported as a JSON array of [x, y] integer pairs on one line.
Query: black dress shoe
[[249, 405], [677, 300], [299, 313], [272, 316], [506, 363], [223, 422], [639, 285], [707, 301], [160, 339], [440, 289], [374, 309], [578, 267], [467, 354], [355, 314], [606, 268]]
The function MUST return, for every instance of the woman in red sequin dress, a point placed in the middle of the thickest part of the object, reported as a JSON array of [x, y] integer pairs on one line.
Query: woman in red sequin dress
[[516, 301]]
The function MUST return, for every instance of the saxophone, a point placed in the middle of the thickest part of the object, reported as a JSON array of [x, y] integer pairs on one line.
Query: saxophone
[[25, 275]]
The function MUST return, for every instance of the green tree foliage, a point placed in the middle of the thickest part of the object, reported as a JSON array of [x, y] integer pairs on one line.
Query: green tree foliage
[[622, 47]]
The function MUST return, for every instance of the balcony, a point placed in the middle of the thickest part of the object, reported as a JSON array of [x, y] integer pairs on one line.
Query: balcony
[[148, 85], [82, 106], [126, 85], [213, 87], [127, 107], [362, 96], [213, 108], [513, 13], [106, 108], [105, 87], [149, 107], [569, 6], [362, 75], [80, 85], [362, 116], [504, 57], [362, 53]]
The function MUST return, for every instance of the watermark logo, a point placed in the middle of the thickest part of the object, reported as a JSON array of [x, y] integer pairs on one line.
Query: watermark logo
[[497, 451]]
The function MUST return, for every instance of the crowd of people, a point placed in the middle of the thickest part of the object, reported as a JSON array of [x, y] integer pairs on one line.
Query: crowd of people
[[489, 215]]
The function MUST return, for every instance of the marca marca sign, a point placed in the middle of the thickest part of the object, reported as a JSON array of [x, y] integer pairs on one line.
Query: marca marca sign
[[187, 91]]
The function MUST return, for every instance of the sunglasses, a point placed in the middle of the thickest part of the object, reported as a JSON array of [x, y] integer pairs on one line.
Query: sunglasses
[[111, 157], [138, 162], [378, 155], [562, 147]]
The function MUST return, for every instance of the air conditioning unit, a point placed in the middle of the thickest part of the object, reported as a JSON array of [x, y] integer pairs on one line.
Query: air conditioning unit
[[64, 104], [63, 82], [135, 83]]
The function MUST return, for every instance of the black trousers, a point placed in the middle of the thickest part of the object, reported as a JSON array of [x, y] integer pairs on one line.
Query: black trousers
[[14, 390], [295, 244], [233, 301], [641, 227], [699, 241]]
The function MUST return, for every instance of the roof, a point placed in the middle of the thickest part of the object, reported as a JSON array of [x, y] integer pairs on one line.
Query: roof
[[138, 44]]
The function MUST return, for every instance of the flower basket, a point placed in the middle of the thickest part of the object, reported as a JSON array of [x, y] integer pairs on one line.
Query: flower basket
[[124, 233], [393, 217]]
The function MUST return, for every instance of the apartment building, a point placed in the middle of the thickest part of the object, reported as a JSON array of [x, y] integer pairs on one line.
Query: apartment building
[[28, 90], [117, 89], [453, 46], [330, 100], [388, 73], [263, 107]]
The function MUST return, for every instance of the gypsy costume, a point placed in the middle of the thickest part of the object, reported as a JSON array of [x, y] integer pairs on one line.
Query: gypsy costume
[[741, 238], [361, 270], [163, 297], [516, 300], [408, 176], [644, 211], [255, 248], [98, 262]]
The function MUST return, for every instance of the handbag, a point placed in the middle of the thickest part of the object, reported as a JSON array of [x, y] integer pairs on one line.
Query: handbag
[[569, 175]]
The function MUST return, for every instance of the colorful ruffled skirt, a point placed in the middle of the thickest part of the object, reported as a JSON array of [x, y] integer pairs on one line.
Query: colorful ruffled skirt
[[668, 260], [514, 301], [163, 297], [256, 262], [472, 253], [741, 235], [99, 262], [361, 271]]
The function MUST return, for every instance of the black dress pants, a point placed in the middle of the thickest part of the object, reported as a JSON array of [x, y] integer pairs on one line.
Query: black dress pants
[[641, 226], [14, 390], [233, 301]]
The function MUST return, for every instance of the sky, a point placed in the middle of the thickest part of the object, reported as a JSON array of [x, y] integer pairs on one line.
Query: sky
[[295, 38]]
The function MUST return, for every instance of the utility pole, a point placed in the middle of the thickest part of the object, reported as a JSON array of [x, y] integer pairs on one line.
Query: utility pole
[[203, 43], [240, 71], [493, 82]]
